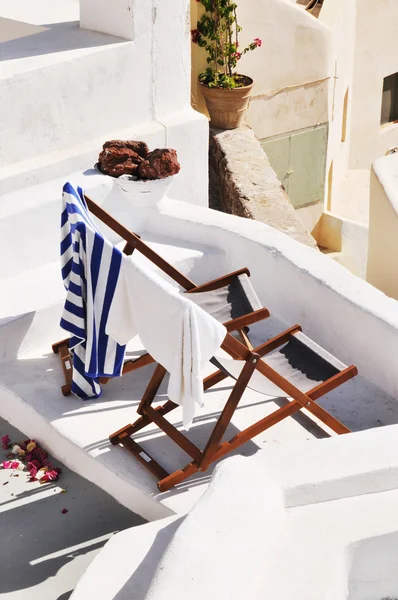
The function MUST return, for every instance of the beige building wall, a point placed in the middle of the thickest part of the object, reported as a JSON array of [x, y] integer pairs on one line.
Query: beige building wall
[[198, 62], [339, 16], [382, 271], [376, 57]]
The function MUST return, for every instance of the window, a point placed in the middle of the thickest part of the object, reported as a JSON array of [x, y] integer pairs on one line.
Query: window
[[389, 106]]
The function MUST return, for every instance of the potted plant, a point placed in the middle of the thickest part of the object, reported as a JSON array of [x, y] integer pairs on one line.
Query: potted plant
[[226, 92]]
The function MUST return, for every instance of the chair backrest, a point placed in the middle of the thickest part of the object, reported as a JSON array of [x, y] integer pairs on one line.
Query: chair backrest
[[134, 242]]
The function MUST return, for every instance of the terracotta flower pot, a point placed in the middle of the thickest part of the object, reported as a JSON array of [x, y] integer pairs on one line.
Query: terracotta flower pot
[[227, 107]]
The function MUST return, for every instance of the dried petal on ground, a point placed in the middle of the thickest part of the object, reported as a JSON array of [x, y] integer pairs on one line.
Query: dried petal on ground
[[5, 442]]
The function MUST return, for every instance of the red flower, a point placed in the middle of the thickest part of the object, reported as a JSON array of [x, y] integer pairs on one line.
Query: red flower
[[50, 475], [5, 442], [64, 511], [195, 35], [258, 42], [236, 55]]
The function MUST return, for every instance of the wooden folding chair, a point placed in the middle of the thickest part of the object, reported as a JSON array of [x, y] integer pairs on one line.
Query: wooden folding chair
[[290, 365], [232, 300], [133, 242]]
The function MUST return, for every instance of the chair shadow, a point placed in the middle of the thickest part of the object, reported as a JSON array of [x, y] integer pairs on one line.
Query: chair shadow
[[304, 421], [66, 595], [29, 493], [138, 584], [172, 457]]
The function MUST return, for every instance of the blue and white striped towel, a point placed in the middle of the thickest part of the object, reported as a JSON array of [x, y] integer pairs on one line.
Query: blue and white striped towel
[[90, 270]]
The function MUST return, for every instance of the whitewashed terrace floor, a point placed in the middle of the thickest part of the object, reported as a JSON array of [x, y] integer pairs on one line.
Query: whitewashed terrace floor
[[35, 378]]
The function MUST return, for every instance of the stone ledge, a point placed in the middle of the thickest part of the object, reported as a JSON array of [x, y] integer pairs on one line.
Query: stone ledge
[[243, 183]]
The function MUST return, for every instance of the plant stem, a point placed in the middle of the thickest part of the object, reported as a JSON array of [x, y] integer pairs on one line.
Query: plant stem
[[216, 16], [229, 25]]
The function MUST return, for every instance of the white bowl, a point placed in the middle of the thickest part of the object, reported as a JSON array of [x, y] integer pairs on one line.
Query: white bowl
[[140, 192]]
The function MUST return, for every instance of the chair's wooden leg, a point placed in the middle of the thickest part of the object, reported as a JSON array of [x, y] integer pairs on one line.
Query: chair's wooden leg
[[142, 455], [165, 484], [304, 399], [289, 410], [62, 349], [132, 365], [141, 422], [173, 433], [250, 432], [141, 361], [228, 411], [115, 437], [241, 438], [257, 428], [128, 249], [247, 434], [324, 388], [56, 346], [152, 388]]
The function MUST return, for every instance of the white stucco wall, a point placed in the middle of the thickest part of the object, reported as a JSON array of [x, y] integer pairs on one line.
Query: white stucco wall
[[66, 90], [238, 527], [116, 19], [373, 573]]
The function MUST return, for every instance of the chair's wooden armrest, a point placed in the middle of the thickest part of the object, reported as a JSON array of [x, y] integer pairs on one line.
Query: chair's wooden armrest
[[219, 282], [278, 340], [245, 320]]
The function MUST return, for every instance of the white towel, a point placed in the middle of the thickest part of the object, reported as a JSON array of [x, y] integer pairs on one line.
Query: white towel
[[177, 333]]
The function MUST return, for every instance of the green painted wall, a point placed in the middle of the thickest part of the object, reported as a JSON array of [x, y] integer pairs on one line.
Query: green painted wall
[[299, 160]]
